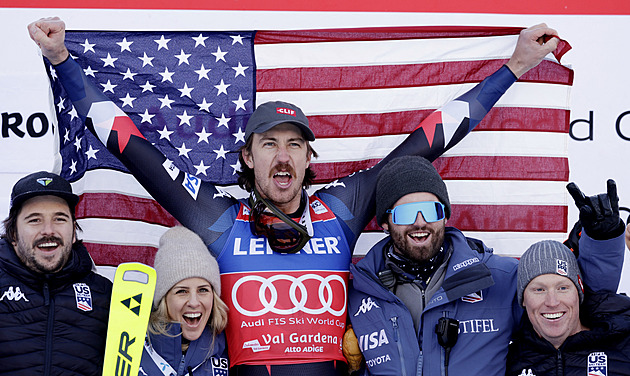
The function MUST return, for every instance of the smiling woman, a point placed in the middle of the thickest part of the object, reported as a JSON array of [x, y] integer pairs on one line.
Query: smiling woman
[[188, 313]]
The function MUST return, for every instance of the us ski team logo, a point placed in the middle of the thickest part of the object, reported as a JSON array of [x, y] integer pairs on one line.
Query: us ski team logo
[[83, 296], [219, 366], [562, 267], [597, 364]]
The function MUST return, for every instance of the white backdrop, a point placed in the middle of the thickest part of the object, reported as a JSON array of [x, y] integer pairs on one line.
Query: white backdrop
[[598, 59]]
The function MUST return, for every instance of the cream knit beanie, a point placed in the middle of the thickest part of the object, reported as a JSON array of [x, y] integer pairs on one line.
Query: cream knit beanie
[[181, 255]]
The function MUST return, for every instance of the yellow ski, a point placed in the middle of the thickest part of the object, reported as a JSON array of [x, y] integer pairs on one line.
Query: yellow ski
[[132, 297]]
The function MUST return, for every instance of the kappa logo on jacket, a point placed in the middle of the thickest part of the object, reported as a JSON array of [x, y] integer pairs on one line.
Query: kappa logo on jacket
[[14, 295], [366, 306], [529, 373]]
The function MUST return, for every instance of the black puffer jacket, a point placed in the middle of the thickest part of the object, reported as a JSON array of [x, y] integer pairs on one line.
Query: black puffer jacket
[[46, 328], [604, 348]]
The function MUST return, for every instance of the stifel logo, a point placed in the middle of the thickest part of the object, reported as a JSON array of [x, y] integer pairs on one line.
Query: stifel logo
[[286, 111]]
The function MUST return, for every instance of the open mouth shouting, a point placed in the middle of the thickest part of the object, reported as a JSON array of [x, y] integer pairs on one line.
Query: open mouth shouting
[[192, 319], [189, 302], [283, 178]]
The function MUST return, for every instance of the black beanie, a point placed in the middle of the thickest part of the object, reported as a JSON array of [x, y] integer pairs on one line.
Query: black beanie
[[404, 175]]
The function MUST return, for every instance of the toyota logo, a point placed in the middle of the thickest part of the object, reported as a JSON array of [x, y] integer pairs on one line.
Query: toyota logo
[[324, 293]]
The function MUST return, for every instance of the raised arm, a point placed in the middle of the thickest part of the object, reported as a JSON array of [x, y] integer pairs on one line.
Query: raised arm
[[601, 248], [195, 204], [534, 43], [50, 34], [355, 194]]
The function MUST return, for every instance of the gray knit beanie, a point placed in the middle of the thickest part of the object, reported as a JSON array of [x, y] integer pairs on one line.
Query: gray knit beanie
[[404, 175], [181, 255], [548, 257]]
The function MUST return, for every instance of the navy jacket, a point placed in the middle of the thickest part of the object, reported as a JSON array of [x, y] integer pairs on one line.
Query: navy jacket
[[479, 290], [198, 357], [53, 324]]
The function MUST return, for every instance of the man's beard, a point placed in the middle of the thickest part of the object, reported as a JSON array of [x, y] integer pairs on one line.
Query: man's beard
[[417, 253], [27, 255]]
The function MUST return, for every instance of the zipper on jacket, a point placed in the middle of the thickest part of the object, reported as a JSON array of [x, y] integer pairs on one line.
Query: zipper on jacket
[[50, 303], [559, 367], [422, 295], [399, 345]]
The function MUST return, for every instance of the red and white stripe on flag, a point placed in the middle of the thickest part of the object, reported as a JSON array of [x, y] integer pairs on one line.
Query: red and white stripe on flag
[[364, 90]]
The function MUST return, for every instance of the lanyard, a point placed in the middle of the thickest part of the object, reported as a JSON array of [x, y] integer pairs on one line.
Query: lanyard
[[162, 364]]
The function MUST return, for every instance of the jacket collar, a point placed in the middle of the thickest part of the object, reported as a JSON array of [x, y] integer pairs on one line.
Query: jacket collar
[[170, 347]]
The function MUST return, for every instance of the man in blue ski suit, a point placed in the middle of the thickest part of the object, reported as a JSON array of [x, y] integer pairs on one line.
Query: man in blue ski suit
[[426, 300]]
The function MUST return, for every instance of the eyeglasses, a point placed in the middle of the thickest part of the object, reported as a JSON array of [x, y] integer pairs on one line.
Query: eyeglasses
[[283, 233], [406, 214]]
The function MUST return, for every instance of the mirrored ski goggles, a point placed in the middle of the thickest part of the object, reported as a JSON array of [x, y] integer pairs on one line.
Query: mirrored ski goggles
[[406, 214], [283, 233]]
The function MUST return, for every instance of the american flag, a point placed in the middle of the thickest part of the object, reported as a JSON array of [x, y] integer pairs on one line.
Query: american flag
[[364, 90]]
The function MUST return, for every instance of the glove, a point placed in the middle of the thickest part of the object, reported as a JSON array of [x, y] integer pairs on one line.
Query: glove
[[573, 241], [599, 214], [351, 350]]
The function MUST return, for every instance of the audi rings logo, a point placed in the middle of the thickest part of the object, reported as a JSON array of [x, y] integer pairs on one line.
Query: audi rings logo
[[330, 289]]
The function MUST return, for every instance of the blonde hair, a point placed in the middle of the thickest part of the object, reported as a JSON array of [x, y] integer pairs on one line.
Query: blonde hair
[[159, 322]]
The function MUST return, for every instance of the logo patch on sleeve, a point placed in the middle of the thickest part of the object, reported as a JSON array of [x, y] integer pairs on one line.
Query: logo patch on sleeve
[[192, 184], [170, 169]]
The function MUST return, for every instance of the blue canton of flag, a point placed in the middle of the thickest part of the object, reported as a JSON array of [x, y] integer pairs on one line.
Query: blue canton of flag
[[189, 93]]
